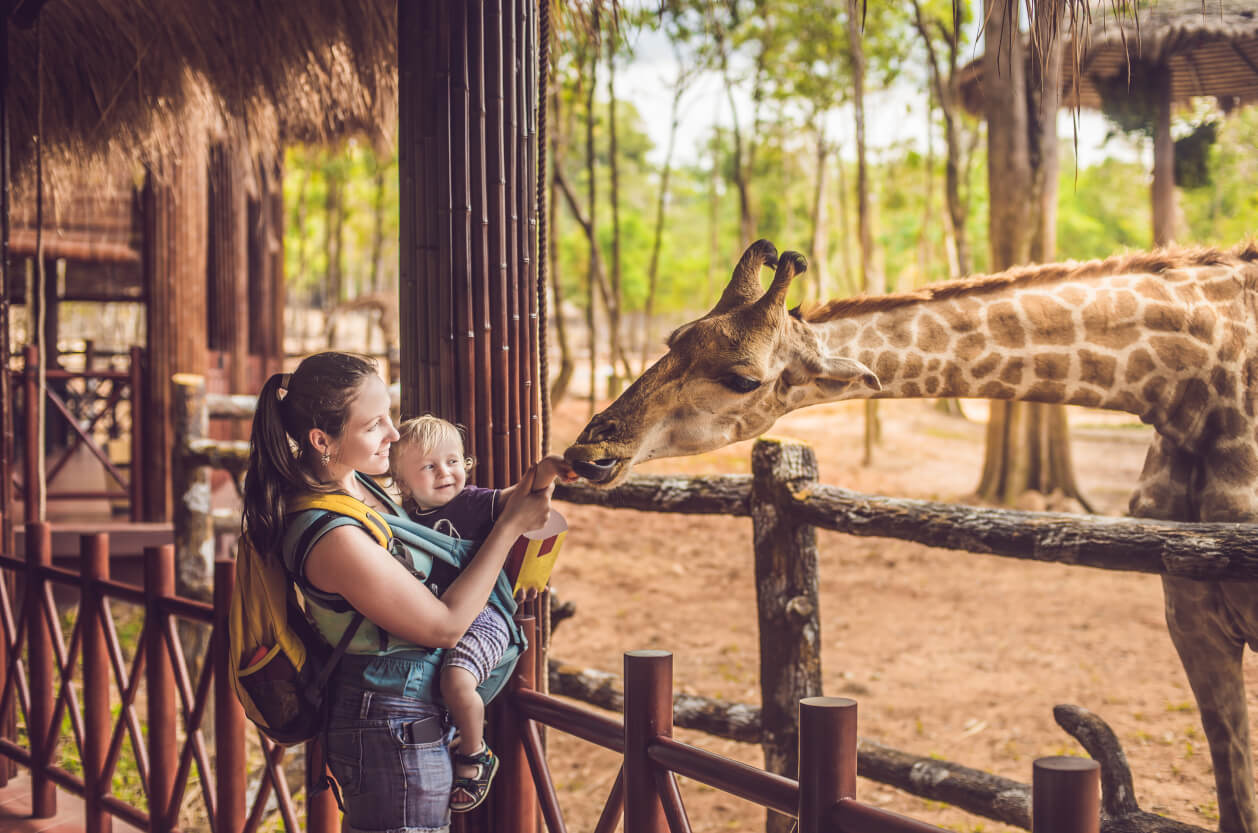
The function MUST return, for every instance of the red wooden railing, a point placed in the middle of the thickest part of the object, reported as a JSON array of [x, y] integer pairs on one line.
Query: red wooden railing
[[90, 683], [119, 386]]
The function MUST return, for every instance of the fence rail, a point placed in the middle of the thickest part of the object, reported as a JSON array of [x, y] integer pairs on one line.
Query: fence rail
[[787, 503]]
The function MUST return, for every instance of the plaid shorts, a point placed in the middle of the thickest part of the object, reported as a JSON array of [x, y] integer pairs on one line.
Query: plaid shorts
[[479, 650]]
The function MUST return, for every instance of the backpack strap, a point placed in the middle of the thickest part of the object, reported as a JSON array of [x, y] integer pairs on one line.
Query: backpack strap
[[352, 507]]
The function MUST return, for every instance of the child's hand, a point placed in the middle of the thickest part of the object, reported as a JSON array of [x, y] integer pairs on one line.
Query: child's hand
[[553, 467], [528, 506]]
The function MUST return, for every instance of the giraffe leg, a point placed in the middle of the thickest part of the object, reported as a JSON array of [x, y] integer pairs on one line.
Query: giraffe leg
[[1211, 649]]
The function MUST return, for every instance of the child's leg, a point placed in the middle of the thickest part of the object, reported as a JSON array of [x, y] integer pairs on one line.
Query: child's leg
[[458, 689]]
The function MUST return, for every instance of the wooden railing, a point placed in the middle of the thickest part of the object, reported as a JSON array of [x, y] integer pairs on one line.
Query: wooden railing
[[787, 503], [112, 388]]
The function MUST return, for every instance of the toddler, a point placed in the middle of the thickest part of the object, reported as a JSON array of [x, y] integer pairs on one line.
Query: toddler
[[429, 466]]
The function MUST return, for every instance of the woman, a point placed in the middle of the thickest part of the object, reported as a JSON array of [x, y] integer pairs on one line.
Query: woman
[[326, 427]]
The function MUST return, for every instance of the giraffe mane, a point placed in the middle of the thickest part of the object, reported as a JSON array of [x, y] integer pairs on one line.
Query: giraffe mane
[[1146, 263]]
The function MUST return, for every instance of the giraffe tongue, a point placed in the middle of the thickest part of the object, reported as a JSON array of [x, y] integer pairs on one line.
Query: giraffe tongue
[[596, 470]]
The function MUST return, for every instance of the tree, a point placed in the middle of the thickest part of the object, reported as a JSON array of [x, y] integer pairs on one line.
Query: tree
[[1028, 445]]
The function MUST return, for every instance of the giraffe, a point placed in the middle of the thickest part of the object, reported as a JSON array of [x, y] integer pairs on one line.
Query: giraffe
[[1168, 335]]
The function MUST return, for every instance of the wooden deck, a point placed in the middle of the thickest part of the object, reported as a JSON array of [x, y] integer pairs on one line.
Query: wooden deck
[[15, 811]]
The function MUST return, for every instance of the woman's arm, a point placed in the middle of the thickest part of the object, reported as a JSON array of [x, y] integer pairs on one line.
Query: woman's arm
[[349, 562]]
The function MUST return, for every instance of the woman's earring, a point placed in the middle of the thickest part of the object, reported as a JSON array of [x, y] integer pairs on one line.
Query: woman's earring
[[326, 457]]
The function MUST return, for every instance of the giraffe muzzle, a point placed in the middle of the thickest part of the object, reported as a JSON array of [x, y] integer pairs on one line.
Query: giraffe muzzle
[[597, 471]]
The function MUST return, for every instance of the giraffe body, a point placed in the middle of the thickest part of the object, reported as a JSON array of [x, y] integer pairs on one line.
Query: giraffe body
[[1171, 336]]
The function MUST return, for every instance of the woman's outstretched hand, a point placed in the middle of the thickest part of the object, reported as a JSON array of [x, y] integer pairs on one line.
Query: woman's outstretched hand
[[527, 509]]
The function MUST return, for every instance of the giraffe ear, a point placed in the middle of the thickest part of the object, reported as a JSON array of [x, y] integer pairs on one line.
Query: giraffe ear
[[833, 368], [843, 369]]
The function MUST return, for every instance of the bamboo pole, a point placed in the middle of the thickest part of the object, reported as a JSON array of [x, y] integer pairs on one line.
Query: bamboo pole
[[497, 252]]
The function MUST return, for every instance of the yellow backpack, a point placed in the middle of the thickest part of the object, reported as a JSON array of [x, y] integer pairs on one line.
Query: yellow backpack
[[280, 664]]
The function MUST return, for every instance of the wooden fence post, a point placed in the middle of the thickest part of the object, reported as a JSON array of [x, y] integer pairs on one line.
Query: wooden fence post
[[94, 555], [322, 814], [515, 809], [827, 758], [648, 715], [30, 460], [159, 584], [39, 658], [190, 484], [136, 486], [230, 763], [786, 601], [1065, 795]]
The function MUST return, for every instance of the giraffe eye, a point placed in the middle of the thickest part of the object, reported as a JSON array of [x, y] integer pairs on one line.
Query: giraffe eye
[[740, 384]]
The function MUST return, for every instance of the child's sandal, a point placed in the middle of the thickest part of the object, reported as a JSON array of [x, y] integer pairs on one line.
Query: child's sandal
[[477, 788]]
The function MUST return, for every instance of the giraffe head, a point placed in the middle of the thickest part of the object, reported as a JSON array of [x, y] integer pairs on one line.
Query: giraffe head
[[726, 377]]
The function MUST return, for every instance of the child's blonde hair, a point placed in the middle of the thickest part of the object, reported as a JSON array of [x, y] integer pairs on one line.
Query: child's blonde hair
[[426, 433]]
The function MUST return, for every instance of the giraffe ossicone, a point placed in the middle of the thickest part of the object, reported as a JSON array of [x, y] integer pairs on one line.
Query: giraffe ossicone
[[1170, 336]]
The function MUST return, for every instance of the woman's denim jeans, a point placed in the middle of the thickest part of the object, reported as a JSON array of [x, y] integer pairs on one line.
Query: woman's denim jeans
[[389, 783]]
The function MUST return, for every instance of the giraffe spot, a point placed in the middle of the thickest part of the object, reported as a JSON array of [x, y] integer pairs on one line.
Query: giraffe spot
[[910, 390], [1073, 294], [1086, 397], [1201, 324], [1012, 372], [933, 365], [1152, 288], [1046, 392], [1050, 321], [931, 385], [1232, 344], [1154, 389], [952, 379], [1177, 354], [1048, 366], [1108, 321], [845, 330], [1164, 318], [1003, 324], [1097, 368], [996, 390], [912, 367], [1188, 292], [1221, 289], [969, 347], [870, 337], [985, 366], [961, 315], [898, 330], [886, 366], [1223, 382], [931, 335], [1190, 401], [1227, 422], [1139, 365], [1124, 400], [866, 357]]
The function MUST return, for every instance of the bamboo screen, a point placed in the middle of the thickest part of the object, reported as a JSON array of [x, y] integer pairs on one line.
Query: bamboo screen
[[467, 164]]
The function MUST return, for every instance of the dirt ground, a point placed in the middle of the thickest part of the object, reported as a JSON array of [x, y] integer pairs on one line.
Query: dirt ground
[[949, 654]]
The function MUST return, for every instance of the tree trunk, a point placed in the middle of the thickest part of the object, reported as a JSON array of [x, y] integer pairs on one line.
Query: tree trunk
[[1009, 216], [615, 348], [558, 388], [819, 288], [591, 229], [851, 285], [870, 279], [377, 230], [653, 270]]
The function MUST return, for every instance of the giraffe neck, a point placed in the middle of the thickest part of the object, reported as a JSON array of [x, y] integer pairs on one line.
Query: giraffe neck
[[1155, 345]]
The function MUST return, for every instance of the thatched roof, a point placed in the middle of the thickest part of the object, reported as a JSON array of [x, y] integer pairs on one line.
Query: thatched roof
[[1210, 47], [123, 80]]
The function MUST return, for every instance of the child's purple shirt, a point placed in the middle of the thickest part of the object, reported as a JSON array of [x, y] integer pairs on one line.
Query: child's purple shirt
[[469, 515]]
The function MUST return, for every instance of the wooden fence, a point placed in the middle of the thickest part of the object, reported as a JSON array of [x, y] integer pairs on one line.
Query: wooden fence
[[90, 684], [786, 503]]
